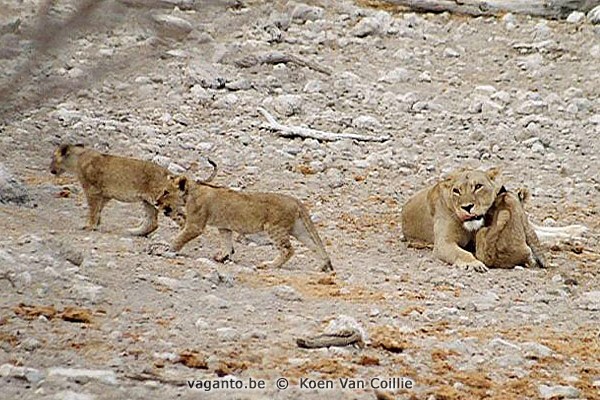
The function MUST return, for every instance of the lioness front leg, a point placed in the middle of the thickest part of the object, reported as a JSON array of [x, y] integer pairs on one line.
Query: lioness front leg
[[226, 246], [446, 248], [453, 254]]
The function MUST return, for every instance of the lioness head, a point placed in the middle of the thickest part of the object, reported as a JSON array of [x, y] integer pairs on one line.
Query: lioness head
[[172, 200], [469, 194], [62, 159]]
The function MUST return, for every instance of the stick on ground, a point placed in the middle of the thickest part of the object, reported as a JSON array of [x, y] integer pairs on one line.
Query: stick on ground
[[276, 57], [306, 133], [540, 8]]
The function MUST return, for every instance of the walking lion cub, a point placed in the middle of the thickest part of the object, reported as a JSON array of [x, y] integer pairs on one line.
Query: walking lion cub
[[105, 177], [228, 210]]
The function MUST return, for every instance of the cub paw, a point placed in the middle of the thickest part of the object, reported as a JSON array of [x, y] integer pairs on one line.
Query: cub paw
[[472, 265]]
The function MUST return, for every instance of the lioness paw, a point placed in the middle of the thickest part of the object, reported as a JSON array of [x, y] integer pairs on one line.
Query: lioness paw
[[474, 265]]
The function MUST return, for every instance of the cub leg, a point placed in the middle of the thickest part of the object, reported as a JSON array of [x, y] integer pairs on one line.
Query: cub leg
[[192, 229], [150, 224], [281, 238], [487, 237], [503, 218], [226, 246], [95, 205], [482, 247]]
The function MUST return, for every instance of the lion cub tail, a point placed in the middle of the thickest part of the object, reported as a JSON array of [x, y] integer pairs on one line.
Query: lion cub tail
[[310, 237], [523, 194], [214, 172]]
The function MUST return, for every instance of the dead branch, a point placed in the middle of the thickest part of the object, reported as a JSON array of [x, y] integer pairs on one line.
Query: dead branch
[[306, 133], [558, 233], [338, 339], [166, 4], [145, 376], [276, 57], [540, 8]]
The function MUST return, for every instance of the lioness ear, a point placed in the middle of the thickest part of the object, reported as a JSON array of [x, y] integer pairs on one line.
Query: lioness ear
[[182, 183], [446, 183], [493, 173]]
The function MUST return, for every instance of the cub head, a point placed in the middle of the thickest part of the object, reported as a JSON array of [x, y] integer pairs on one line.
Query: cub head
[[64, 158], [469, 194], [172, 199]]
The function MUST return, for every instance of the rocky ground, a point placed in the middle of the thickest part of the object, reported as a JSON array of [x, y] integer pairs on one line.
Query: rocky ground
[[99, 316]]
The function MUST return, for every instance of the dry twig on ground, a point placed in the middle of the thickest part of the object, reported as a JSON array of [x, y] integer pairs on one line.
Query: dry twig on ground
[[276, 57], [477, 8], [306, 133]]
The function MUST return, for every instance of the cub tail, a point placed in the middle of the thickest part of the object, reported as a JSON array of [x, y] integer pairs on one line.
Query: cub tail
[[304, 230]]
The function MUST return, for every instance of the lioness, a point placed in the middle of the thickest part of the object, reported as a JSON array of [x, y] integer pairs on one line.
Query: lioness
[[105, 177], [228, 210], [508, 239], [449, 213]]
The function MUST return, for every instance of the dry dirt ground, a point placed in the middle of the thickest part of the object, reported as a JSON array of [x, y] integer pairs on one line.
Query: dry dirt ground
[[100, 316]]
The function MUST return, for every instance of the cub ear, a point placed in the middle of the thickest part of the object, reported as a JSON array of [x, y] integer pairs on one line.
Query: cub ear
[[493, 173], [182, 183], [64, 149], [79, 145]]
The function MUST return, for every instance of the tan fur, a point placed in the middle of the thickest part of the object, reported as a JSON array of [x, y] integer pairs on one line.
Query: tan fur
[[105, 177], [449, 213], [508, 239], [228, 210]]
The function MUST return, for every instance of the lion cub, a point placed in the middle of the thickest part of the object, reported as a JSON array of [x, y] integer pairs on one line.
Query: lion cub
[[228, 210], [508, 239], [105, 177]]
